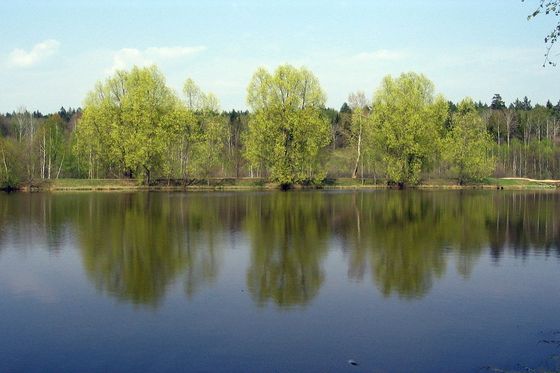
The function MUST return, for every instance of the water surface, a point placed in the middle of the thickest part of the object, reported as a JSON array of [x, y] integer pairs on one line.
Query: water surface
[[269, 281]]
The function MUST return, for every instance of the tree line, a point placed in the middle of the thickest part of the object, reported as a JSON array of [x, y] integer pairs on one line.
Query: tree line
[[133, 125]]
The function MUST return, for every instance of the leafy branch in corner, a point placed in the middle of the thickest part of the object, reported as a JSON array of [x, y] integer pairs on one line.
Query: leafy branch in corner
[[548, 7]]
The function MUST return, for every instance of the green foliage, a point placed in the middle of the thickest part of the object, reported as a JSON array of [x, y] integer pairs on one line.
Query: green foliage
[[287, 130], [208, 136], [134, 126], [128, 122], [359, 125], [407, 124], [468, 144], [10, 164], [53, 144]]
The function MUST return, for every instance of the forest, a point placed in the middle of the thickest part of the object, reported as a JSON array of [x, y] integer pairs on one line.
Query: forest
[[134, 126]]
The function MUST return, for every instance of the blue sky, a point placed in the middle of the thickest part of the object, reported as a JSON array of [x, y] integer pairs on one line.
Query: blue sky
[[53, 52]]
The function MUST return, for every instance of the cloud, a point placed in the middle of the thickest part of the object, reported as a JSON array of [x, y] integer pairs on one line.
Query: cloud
[[128, 57], [39, 52], [379, 55]]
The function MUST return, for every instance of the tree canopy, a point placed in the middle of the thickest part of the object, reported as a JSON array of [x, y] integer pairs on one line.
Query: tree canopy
[[129, 120], [468, 144], [407, 121], [287, 130]]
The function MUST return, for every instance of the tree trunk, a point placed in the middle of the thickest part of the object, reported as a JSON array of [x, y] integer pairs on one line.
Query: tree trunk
[[60, 167], [44, 158], [4, 161], [355, 172]]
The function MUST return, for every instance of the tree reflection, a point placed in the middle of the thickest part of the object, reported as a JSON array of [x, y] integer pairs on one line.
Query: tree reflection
[[405, 237], [134, 246], [288, 233], [131, 245]]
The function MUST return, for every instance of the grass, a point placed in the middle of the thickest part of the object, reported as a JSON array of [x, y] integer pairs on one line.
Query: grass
[[87, 184], [133, 185], [258, 183]]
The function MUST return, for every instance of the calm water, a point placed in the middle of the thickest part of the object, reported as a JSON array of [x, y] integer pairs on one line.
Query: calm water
[[298, 281]]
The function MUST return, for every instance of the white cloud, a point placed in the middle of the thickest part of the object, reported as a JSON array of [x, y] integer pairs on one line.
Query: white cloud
[[39, 52], [128, 57], [379, 55]]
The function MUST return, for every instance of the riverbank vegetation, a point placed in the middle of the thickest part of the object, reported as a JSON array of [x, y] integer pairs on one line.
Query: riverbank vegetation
[[133, 127]]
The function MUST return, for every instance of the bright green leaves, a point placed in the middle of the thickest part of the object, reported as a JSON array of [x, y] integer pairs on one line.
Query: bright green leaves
[[407, 124], [198, 101], [128, 122], [209, 133], [468, 144], [134, 125], [287, 130]]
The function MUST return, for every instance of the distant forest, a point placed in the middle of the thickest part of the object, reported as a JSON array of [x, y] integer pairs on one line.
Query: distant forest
[[133, 125]]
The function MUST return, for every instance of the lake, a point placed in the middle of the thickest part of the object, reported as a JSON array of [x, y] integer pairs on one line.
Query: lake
[[300, 281]]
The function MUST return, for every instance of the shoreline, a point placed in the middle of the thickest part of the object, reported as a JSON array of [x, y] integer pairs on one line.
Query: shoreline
[[246, 184]]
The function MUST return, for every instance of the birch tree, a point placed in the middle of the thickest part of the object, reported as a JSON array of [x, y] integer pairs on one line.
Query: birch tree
[[358, 104]]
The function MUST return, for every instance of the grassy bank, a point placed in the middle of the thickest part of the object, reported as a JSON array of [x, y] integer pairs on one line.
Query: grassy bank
[[261, 184], [132, 185]]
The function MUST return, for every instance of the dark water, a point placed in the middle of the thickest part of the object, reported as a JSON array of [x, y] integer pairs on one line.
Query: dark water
[[297, 281]]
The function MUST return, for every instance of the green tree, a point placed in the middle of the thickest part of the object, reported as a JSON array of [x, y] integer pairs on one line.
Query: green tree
[[407, 124], [468, 144], [182, 123], [26, 128], [10, 163], [287, 130], [209, 135], [360, 112], [52, 146], [497, 102], [128, 121]]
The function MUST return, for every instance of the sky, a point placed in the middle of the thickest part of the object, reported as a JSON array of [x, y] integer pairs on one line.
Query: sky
[[53, 52]]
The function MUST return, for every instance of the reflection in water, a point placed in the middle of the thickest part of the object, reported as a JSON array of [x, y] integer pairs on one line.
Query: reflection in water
[[288, 234], [405, 237], [128, 251], [135, 245]]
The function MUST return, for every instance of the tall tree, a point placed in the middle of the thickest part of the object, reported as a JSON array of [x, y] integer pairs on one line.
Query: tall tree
[[360, 111], [26, 128], [52, 146], [287, 130], [497, 102], [128, 120], [407, 124], [208, 137], [468, 144]]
